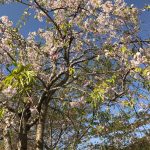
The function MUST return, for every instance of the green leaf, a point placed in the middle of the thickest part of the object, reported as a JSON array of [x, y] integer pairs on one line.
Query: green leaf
[[22, 77], [147, 7], [1, 112], [71, 71], [123, 49], [138, 69]]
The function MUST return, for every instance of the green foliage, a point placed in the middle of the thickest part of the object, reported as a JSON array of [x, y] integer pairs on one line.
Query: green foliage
[[1, 112], [112, 79], [123, 49], [71, 71], [147, 7], [65, 26], [138, 69], [146, 71], [127, 103], [108, 47], [98, 93], [22, 77]]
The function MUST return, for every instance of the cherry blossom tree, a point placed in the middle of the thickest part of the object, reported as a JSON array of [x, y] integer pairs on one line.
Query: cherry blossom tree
[[84, 75]]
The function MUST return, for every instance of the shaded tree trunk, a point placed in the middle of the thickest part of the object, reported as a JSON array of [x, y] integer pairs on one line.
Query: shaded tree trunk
[[24, 128], [40, 128], [7, 138], [22, 143]]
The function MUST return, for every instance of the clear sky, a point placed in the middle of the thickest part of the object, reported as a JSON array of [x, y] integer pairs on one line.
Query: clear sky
[[144, 18], [14, 12]]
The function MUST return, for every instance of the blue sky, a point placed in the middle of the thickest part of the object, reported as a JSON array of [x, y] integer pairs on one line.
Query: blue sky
[[144, 18], [14, 12]]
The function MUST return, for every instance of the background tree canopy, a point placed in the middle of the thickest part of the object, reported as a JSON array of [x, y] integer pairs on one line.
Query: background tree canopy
[[81, 81]]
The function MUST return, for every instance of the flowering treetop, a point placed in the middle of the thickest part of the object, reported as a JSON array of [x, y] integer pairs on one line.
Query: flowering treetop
[[87, 55]]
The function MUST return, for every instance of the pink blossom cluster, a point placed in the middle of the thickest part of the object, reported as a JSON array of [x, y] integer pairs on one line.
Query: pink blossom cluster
[[9, 92], [4, 20], [138, 59]]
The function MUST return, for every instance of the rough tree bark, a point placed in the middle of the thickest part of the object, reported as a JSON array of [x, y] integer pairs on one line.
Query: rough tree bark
[[7, 138], [24, 128], [22, 142], [40, 128]]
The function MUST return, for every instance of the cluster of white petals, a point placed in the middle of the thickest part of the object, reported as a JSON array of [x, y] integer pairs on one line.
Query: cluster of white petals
[[80, 103], [6, 21], [107, 7], [138, 59], [9, 91]]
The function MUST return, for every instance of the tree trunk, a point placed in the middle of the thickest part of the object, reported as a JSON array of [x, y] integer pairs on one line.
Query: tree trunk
[[40, 128], [7, 138], [24, 128], [22, 143]]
